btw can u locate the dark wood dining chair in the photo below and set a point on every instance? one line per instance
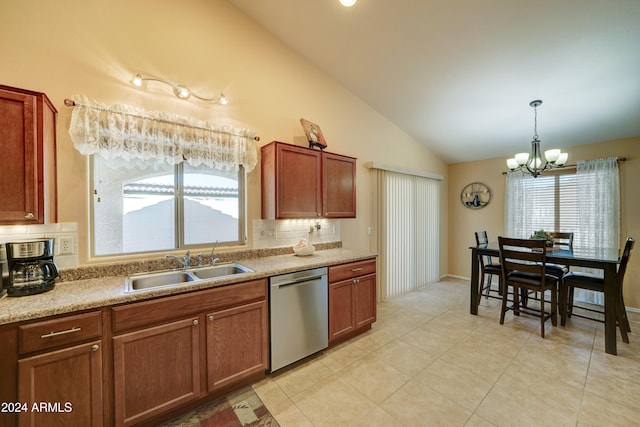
(590, 282)
(488, 269)
(561, 240)
(524, 263)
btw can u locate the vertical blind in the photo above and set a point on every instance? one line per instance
(407, 226)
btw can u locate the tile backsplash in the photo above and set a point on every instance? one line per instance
(64, 255)
(287, 232)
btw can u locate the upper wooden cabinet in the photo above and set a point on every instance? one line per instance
(28, 161)
(299, 182)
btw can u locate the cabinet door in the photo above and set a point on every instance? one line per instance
(298, 182)
(341, 320)
(236, 344)
(19, 160)
(364, 290)
(156, 369)
(338, 186)
(65, 386)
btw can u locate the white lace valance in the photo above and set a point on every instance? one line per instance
(126, 134)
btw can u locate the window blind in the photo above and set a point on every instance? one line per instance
(551, 203)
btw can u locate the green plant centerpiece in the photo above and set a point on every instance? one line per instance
(542, 235)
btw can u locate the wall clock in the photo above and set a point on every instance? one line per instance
(475, 195)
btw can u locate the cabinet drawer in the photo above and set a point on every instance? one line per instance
(152, 312)
(341, 272)
(57, 332)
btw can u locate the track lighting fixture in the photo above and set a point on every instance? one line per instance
(179, 90)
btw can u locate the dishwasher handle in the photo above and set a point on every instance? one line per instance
(296, 281)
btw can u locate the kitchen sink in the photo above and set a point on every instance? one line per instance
(211, 272)
(138, 282)
(142, 281)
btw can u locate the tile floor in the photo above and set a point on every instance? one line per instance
(428, 362)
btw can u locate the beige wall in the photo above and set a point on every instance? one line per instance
(67, 47)
(491, 218)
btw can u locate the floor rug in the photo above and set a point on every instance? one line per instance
(240, 409)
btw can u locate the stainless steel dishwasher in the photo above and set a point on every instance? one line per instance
(299, 314)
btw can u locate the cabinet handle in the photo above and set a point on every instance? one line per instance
(55, 334)
(195, 322)
(211, 317)
(356, 269)
(29, 215)
(95, 347)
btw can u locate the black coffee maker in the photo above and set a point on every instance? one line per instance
(31, 267)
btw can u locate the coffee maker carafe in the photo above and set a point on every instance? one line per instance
(31, 267)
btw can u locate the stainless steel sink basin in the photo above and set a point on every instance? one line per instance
(138, 282)
(220, 270)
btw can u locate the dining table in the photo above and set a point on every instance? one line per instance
(605, 259)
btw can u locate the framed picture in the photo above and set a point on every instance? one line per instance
(314, 134)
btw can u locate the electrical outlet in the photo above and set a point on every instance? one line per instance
(66, 246)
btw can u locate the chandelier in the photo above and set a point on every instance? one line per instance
(532, 163)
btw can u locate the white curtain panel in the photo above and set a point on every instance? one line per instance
(127, 135)
(598, 186)
(519, 222)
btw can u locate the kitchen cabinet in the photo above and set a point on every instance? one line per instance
(237, 344)
(172, 351)
(298, 182)
(352, 299)
(156, 369)
(60, 376)
(28, 162)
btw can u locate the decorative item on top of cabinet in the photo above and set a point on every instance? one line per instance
(28, 162)
(475, 195)
(314, 134)
(298, 182)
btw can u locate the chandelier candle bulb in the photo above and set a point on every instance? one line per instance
(552, 155)
(522, 158)
(562, 159)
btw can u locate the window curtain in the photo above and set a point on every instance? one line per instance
(129, 136)
(598, 186)
(519, 222)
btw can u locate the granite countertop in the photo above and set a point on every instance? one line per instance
(76, 295)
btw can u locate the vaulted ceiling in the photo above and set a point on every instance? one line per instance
(458, 75)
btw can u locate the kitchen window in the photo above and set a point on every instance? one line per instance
(147, 207)
(161, 181)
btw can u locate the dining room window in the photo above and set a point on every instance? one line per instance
(549, 202)
(585, 201)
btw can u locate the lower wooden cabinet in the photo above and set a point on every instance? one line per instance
(172, 351)
(62, 387)
(352, 299)
(237, 344)
(156, 369)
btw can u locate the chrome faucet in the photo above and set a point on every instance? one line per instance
(185, 260)
(214, 260)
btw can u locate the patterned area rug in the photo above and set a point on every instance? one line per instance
(240, 409)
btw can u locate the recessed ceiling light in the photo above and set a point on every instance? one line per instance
(348, 3)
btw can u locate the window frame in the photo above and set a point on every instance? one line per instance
(178, 173)
(556, 196)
